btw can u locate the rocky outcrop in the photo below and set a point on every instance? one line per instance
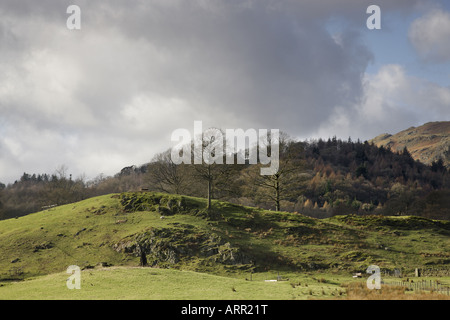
(170, 246)
(164, 204)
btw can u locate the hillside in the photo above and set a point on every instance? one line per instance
(318, 178)
(427, 143)
(178, 232)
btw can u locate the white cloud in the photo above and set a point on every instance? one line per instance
(430, 36)
(392, 101)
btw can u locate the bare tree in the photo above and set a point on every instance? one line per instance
(279, 185)
(167, 176)
(209, 164)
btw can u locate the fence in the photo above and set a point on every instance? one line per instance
(422, 285)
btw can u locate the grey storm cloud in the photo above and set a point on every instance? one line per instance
(110, 94)
(258, 61)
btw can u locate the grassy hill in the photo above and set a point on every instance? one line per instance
(427, 143)
(177, 232)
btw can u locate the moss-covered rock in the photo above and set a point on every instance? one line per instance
(164, 204)
(171, 246)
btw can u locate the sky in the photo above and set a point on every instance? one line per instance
(109, 94)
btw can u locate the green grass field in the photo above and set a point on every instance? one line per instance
(198, 254)
(150, 283)
(142, 283)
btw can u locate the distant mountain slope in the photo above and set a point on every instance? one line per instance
(427, 143)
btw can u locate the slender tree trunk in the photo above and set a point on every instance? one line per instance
(277, 195)
(209, 193)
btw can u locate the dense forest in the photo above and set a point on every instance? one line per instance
(319, 178)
